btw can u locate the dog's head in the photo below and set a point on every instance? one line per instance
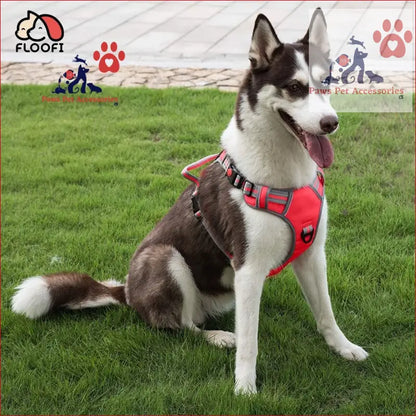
(281, 79)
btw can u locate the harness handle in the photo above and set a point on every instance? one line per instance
(186, 170)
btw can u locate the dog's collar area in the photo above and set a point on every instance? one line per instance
(248, 188)
(239, 181)
(233, 175)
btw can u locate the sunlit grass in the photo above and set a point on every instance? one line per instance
(82, 184)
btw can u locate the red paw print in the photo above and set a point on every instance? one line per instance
(392, 44)
(109, 62)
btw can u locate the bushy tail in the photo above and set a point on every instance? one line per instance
(38, 295)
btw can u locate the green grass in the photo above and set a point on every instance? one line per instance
(82, 184)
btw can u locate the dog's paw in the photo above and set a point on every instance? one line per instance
(222, 339)
(245, 387)
(352, 352)
(341, 345)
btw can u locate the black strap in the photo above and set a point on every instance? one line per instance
(195, 204)
(234, 176)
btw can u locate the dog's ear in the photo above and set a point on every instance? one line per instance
(263, 43)
(317, 33)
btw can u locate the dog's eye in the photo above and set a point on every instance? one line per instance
(293, 87)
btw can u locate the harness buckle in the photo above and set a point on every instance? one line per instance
(248, 188)
(235, 178)
(195, 205)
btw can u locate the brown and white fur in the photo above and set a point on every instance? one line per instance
(178, 276)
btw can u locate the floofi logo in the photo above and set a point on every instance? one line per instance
(44, 30)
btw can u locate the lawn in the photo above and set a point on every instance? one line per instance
(82, 184)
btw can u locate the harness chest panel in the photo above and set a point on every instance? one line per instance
(300, 208)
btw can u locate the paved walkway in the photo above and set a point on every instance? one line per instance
(209, 34)
(156, 77)
(189, 43)
(128, 76)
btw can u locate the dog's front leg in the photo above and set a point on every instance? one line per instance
(248, 287)
(310, 269)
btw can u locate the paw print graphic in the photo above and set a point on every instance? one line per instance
(393, 44)
(109, 62)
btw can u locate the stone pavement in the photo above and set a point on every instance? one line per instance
(174, 43)
(128, 76)
(155, 77)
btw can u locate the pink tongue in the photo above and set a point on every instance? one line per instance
(320, 149)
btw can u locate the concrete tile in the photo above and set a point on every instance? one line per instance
(188, 49)
(171, 33)
(226, 19)
(235, 42)
(277, 12)
(162, 12)
(374, 4)
(58, 8)
(154, 17)
(287, 35)
(124, 34)
(125, 13)
(328, 7)
(92, 10)
(16, 10)
(286, 6)
(180, 25)
(95, 28)
(295, 21)
(207, 33)
(202, 10)
(174, 6)
(214, 3)
(154, 41)
(244, 7)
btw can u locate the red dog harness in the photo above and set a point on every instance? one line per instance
(300, 208)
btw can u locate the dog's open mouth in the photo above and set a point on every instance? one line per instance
(318, 147)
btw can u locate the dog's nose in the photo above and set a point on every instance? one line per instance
(329, 123)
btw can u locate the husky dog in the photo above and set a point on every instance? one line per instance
(188, 269)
